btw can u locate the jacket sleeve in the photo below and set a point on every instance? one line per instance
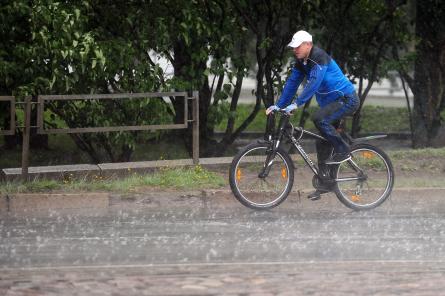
(290, 88)
(313, 83)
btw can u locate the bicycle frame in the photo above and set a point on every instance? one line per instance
(262, 174)
(283, 132)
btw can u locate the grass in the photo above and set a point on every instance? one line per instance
(430, 160)
(418, 153)
(190, 178)
(193, 178)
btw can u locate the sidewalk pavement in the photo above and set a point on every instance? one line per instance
(411, 199)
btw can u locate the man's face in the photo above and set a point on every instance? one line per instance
(303, 50)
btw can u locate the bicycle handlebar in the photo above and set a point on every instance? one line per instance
(281, 111)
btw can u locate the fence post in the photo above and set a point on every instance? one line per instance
(195, 131)
(26, 136)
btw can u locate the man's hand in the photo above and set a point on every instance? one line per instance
(289, 109)
(271, 109)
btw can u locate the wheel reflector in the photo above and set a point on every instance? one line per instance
(283, 173)
(355, 197)
(238, 174)
(368, 155)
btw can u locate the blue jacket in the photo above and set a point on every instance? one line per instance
(324, 79)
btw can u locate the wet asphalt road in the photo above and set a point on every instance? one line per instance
(204, 243)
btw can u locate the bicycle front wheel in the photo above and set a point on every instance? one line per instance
(365, 181)
(258, 191)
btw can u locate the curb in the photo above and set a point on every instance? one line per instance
(108, 169)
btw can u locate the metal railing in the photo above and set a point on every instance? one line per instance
(188, 96)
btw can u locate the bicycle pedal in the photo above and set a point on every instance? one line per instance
(314, 197)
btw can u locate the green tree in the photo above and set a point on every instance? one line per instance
(83, 47)
(360, 40)
(270, 25)
(425, 72)
(15, 64)
(188, 34)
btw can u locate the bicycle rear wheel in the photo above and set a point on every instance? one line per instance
(261, 192)
(365, 181)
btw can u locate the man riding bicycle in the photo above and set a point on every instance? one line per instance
(335, 95)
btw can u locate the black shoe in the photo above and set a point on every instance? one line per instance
(338, 158)
(316, 195)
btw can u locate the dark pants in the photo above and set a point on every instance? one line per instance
(327, 119)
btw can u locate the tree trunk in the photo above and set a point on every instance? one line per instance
(356, 118)
(408, 105)
(228, 138)
(206, 141)
(181, 59)
(429, 74)
(304, 114)
(181, 63)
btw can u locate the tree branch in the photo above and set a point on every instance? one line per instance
(246, 17)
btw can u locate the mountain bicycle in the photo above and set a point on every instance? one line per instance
(262, 173)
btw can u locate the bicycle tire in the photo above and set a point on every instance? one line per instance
(376, 162)
(235, 172)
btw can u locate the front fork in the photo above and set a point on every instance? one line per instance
(271, 153)
(274, 144)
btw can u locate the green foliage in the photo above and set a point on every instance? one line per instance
(217, 114)
(76, 48)
(360, 40)
(193, 31)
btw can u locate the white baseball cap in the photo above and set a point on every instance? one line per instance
(300, 37)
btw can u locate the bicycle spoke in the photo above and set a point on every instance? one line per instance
(354, 166)
(366, 180)
(261, 189)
